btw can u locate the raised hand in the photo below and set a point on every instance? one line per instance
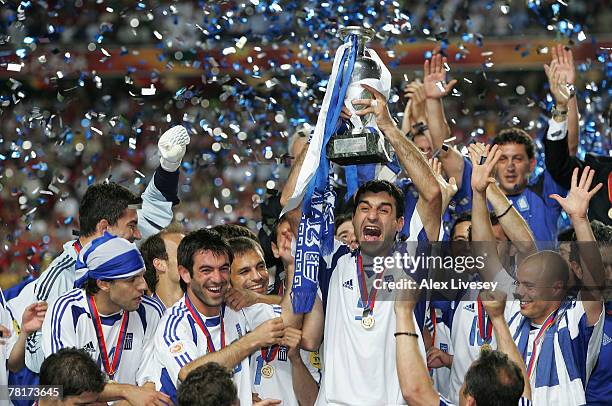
(563, 60)
(483, 165)
(377, 106)
(560, 88)
(448, 188)
(434, 78)
(576, 204)
(33, 317)
(415, 91)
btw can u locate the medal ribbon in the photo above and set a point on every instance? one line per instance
(269, 353)
(368, 301)
(547, 324)
(110, 369)
(77, 247)
(485, 327)
(198, 319)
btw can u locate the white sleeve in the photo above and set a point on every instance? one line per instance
(556, 131)
(6, 319)
(260, 313)
(174, 347)
(149, 370)
(58, 328)
(156, 212)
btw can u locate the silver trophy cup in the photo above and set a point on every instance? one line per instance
(359, 145)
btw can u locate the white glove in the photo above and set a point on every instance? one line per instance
(172, 147)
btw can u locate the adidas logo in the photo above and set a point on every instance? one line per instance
(89, 347)
(606, 340)
(348, 284)
(469, 307)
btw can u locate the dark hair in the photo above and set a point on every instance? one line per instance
(152, 248)
(207, 385)
(516, 136)
(341, 219)
(601, 231)
(240, 245)
(228, 231)
(201, 240)
(467, 216)
(91, 287)
(103, 201)
(379, 186)
(74, 371)
(494, 380)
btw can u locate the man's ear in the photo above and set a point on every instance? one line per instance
(184, 274)
(104, 285)
(400, 224)
(532, 165)
(160, 265)
(102, 226)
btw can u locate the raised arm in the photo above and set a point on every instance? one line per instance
(563, 62)
(482, 230)
(505, 343)
(434, 80)
(304, 385)
(411, 159)
(576, 205)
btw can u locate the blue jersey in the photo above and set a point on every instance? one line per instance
(599, 387)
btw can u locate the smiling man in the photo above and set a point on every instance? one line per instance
(277, 372)
(200, 328)
(108, 316)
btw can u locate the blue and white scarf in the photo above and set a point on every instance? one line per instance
(106, 258)
(314, 189)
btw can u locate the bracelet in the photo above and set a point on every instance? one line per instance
(505, 212)
(406, 333)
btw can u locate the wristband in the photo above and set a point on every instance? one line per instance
(505, 212)
(406, 333)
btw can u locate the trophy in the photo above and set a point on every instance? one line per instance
(362, 143)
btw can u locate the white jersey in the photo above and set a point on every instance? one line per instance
(179, 340)
(441, 340)
(60, 276)
(69, 323)
(5, 350)
(280, 384)
(358, 365)
(565, 356)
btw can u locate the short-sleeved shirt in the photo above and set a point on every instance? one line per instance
(179, 340)
(69, 323)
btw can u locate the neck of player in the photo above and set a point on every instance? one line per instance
(203, 308)
(168, 292)
(104, 304)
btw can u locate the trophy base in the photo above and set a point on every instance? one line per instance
(357, 149)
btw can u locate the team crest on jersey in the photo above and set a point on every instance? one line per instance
(522, 203)
(388, 278)
(282, 353)
(129, 338)
(444, 347)
(177, 348)
(315, 360)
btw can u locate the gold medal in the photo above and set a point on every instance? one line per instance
(267, 371)
(486, 347)
(610, 213)
(367, 322)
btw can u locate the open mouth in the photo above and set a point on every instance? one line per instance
(214, 290)
(371, 233)
(525, 303)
